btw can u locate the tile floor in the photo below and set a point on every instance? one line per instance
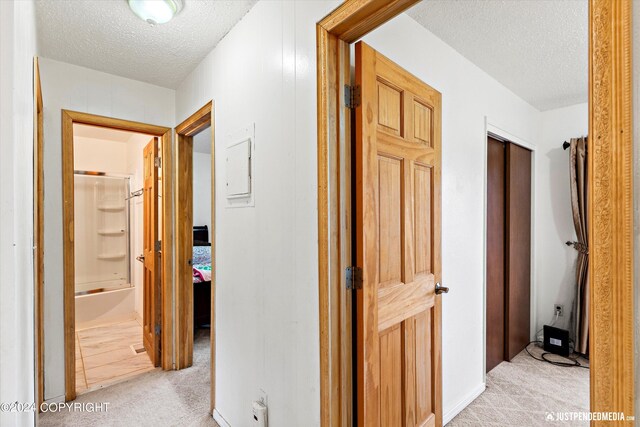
(104, 355)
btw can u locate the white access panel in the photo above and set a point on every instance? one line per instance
(239, 169)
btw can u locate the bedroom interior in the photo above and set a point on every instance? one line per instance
(202, 266)
(520, 128)
(281, 261)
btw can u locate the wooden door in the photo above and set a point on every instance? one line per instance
(508, 251)
(151, 277)
(398, 171)
(518, 249)
(495, 253)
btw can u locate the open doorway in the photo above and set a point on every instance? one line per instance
(202, 238)
(114, 313)
(116, 218)
(469, 100)
(195, 243)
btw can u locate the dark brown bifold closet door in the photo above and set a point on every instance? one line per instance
(508, 250)
(518, 249)
(495, 252)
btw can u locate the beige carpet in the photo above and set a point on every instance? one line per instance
(524, 391)
(157, 398)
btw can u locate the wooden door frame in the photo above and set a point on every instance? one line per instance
(610, 201)
(38, 231)
(494, 131)
(164, 133)
(185, 131)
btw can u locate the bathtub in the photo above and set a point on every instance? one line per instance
(105, 307)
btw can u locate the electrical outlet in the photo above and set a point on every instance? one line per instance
(558, 309)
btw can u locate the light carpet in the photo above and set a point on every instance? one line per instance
(157, 398)
(525, 392)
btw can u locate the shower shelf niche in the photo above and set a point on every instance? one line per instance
(111, 208)
(112, 256)
(102, 252)
(114, 232)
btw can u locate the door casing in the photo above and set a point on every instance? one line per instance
(164, 133)
(610, 230)
(185, 131)
(38, 231)
(493, 131)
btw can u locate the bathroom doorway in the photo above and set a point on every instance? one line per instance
(115, 226)
(114, 240)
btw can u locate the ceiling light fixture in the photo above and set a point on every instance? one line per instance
(156, 11)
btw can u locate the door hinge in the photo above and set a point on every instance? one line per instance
(351, 96)
(158, 246)
(157, 329)
(354, 278)
(157, 162)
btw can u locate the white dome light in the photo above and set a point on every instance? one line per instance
(155, 11)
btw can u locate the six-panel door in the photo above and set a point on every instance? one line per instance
(398, 245)
(151, 278)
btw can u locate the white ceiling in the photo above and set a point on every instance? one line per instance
(105, 35)
(536, 48)
(97, 132)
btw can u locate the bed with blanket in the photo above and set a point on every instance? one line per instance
(201, 263)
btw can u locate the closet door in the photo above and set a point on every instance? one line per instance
(495, 252)
(518, 248)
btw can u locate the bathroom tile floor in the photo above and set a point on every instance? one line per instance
(104, 355)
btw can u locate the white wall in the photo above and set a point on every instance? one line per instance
(468, 96)
(202, 190)
(100, 155)
(264, 72)
(257, 75)
(17, 48)
(555, 262)
(66, 86)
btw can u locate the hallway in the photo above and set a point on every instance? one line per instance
(161, 398)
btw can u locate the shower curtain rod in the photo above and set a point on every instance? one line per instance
(135, 194)
(96, 173)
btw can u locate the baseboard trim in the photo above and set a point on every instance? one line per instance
(56, 399)
(219, 419)
(463, 403)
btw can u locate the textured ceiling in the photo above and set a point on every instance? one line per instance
(536, 48)
(105, 35)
